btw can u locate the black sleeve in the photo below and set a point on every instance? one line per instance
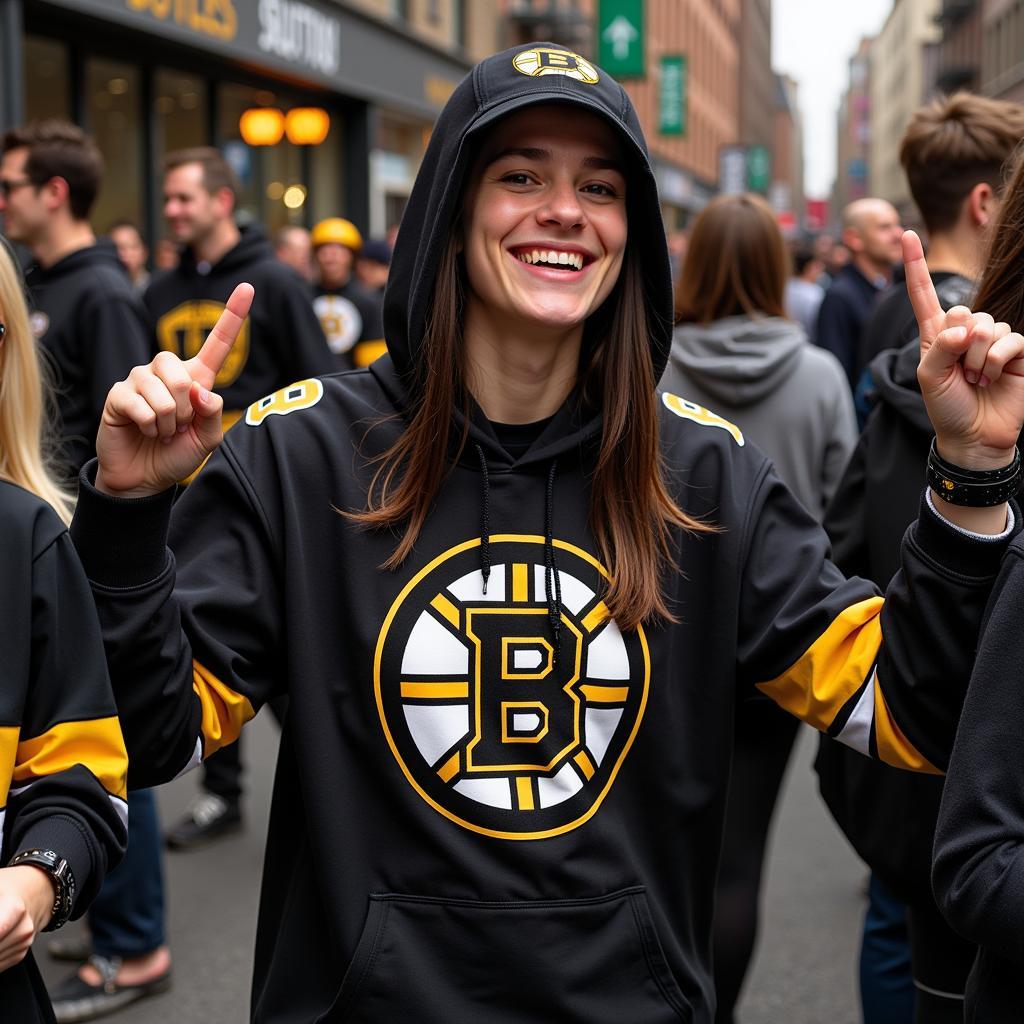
(813, 641)
(978, 872)
(68, 789)
(303, 347)
(844, 519)
(193, 653)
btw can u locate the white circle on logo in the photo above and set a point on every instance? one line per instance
(545, 61)
(501, 724)
(39, 324)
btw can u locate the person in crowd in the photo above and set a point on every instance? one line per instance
(512, 592)
(677, 245)
(980, 831)
(63, 763)
(954, 153)
(132, 252)
(349, 314)
(734, 351)
(293, 248)
(871, 232)
(803, 292)
(281, 343)
(165, 255)
(373, 266)
(84, 312)
(93, 327)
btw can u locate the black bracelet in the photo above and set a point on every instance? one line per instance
(973, 488)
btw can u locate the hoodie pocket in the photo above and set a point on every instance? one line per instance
(435, 961)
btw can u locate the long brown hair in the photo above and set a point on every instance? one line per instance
(1001, 289)
(632, 514)
(736, 262)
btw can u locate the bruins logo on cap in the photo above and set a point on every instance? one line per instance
(543, 61)
(489, 726)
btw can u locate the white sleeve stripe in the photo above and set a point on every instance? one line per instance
(986, 538)
(857, 731)
(121, 806)
(195, 760)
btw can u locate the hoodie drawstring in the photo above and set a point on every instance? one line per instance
(550, 568)
(485, 521)
(552, 580)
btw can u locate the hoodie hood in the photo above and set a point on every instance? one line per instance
(252, 246)
(101, 253)
(739, 359)
(894, 374)
(520, 77)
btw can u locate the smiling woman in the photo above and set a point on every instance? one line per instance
(513, 660)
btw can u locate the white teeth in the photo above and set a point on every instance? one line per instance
(551, 257)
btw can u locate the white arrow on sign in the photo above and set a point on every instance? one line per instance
(620, 33)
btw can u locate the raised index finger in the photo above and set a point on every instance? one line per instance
(210, 358)
(930, 315)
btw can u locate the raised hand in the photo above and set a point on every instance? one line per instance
(971, 373)
(26, 901)
(160, 424)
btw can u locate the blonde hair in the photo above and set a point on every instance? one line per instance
(24, 406)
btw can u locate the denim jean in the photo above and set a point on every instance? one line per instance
(127, 917)
(886, 979)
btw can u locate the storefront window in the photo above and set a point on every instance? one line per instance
(179, 105)
(114, 119)
(273, 190)
(47, 92)
(326, 186)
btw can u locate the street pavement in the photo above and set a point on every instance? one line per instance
(804, 973)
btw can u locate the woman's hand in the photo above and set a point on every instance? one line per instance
(971, 373)
(26, 903)
(160, 424)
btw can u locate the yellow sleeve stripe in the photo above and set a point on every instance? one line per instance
(366, 352)
(96, 744)
(224, 710)
(893, 747)
(8, 754)
(833, 668)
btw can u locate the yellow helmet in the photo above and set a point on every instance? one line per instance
(339, 230)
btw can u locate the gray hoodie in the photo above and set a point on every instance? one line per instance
(788, 397)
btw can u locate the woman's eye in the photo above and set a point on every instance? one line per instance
(517, 178)
(599, 188)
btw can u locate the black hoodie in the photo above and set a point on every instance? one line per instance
(491, 804)
(282, 341)
(62, 757)
(91, 323)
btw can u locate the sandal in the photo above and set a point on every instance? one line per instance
(76, 1000)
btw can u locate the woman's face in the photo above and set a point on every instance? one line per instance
(545, 218)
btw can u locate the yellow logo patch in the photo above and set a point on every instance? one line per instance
(691, 411)
(302, 395)
(544, 61)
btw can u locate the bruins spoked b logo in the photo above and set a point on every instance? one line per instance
(490, 727)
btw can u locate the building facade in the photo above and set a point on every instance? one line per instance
(853, 134)
(1002, 61)
(901, 80)
(787, 189)
(757, 86)
(146, 77)
(959, 54)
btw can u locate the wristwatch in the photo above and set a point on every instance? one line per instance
(63, 879)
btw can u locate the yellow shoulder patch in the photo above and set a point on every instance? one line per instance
(691, 411)
(303, 394)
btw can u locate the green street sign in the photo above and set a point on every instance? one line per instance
(759, 169)
(620, 37)
(672, 95)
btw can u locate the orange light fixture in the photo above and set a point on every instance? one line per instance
(307, 126)
(261, 126)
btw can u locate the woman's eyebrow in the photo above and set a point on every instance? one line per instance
(599, 163)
